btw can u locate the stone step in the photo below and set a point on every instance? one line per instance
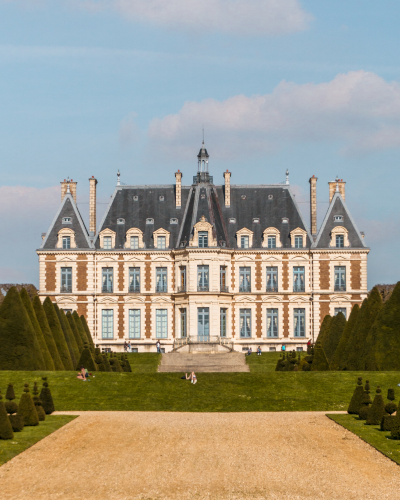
(201, 362)
(203, 369)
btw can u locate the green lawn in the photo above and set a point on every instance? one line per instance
(264, 363)
(31, 435)
(144, 362)
(371, 434)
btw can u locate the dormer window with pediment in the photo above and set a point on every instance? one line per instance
(107, 239)
(203, 234)
(339, 237)
(298, 238)
(161, 239)
(271, 238)
(244, 238)
(134, 239)
(66, 239)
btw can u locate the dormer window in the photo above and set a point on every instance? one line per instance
(120, 221)
(256, 220)
(161, 242)
(66, 242)
(203, 239)
(161, 198)
(67, 220)
(339, 237)
(244, 242)
(340, 241)
(232, 220)
(107, 242)
(298, 242)
(338, 218)
(149, 221)
(222, 243)
(136, 198)
(271, 238)
(271, 241)
(270, 197)
(285, 220)
(243, 196)
(298, 238)
(173, 221)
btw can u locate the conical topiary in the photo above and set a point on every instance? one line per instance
(6, 431)
(10, 404)
(376, 410)
(115, 366)
(78, 338)
(86, 360)
(337, 362)
(46, 398)
(127, 367)
(47, 334)
(26, 408)
(395, 430)
(356, 400)
(326, 322)
(86, 328)
(68, 335)
(390, 407)
(366, 401)
(333, 335)
(106, 363)
(98, 359)
(320, 363)
(38, 403)
(20, 348)
(58, 335)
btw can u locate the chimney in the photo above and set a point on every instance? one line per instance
(227, 177)
(178, 193)
(332, 188)
(313, 204)
(92, 205)
(64, 188)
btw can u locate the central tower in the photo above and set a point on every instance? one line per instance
(202, 167)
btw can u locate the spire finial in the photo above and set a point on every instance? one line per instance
(118, 178)
(68, 190)
(337, 184)
(203, 135)
(287, 176)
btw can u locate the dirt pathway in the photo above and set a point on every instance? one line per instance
(235, 456)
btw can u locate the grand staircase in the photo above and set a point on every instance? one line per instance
(203, 362)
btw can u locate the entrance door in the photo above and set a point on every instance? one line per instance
(203, 320)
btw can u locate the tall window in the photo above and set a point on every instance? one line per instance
(222, 279)
(339, 241)
(134, 242)
(244, 242)
(107, 241)
(298, 279)
(342, 310)
(271, 241)
(245, 323)
(134, 279)
(134, 323)
(183, 323)
(272, 323)
(107, 280)
(107, 324)
(222, 324)
(66, 242)
(182, 286)
(272, 279)
(202, 278)
(161, 324)
(66, 279)
(161, 279)
(340, 279)
(203, 239)
(244, 279)
(299, 322)
(161, 242)
(298, 242)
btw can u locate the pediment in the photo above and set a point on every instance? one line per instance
(162, 299)
(299, 298)
(135, 259)
(162, 258)
(67, 259)
(66, 300)
(271, 258)
(340, 298)
(299, 258)
(245, 298)
(272, 298)
(134, 298)
(107, 258)
(104, 300)
(339, 257)
(247, 258)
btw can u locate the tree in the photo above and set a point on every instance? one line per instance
(48, 360)
(46, 397)
(47, 334)
(377, 409)
(332, 336)
(26, 408)
(78, 337)
(85, 326)
(6, 431)
(58, 335)
(20, 348)
(320, 362)
(325, 325)
(356, 400)
(106, 363)
(86, 360)
(68, 335)
(338, 357)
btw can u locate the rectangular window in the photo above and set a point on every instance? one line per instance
(161, 242)
(272, 279)
(245, 323)
(182, 286)
(134, 242)
(244, 279)
(339, 241)
(107, 280)
(183, 323)
(271, 241)
(222, 325)
(107, 324)
(298, 279)
(161, 324)
(298, 242)
(272, 323)
(340, 279)
(134, 279)
(202, 278)
(66, 242)
(223, 279)
(342, 310)
(161, 279)
(203, 239)
(134, 323)
(66, 280)
(299, 322)
(244, 242)
(107, 241)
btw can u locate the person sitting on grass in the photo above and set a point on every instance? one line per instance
(249, 351)
(259, 351)
(83, 374)
(192, 377)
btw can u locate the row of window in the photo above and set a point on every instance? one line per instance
(203, 279)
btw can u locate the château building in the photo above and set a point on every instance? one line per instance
(235, 264)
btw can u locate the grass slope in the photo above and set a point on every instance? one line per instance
(31, 435)
(371, 434)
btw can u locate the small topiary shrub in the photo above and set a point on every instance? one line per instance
(11, 406)
(17, 422)
(390, 395)
(6, 431)
(26, 408)
(387, 422)
(106, 363)
(366, 401)
(38, 404)
(127, 366)
(377, 409)
(356, 400)
(306, 367)
(115, 366)
(86, 360)
(320, 362)
(46, 398)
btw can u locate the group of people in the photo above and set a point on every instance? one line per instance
(250, 351)
(127, 346)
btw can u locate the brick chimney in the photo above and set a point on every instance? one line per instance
(313, 204)
(332, 188)
(227, 177)
(64, 188)
(92, 205)
(178, 194)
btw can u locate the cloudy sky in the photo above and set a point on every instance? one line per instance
(88, 87)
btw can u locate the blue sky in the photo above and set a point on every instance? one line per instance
(89, 87)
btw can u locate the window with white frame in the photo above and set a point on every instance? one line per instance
(339, 241)
(222, 319)
(203, 239)
(340, 278)
(107, 324)
(245, 323)
(223, 279)
(161, 279)
(342, 310)
(134, 242)
(299, 322)
(107, 242)
(161, 324)
(272, 323)
(244, 242)
(182, 273)
(272, 279)
(298, 242)
(107, 279)
(183, 323)
(244, 279)
(271, 241)
(66, 280)
(66, 242)
(134, 323)
(202, 278)
(134, 280)
(298, 279)
(161, 242)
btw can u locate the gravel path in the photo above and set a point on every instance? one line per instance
(183, 456)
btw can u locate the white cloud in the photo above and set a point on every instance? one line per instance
(359, 111)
